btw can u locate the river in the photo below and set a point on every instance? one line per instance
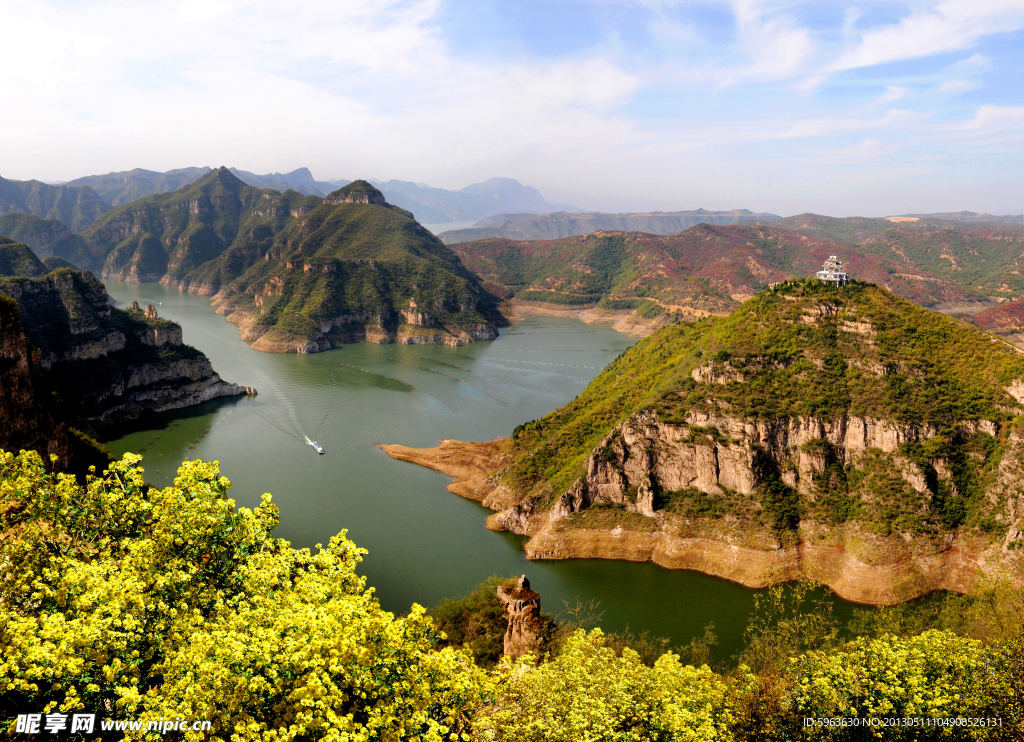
(424, 543)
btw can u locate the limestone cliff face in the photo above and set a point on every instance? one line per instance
(27, 424)
(646, 465)
(739, 455)
(108, 365)
(837, 433)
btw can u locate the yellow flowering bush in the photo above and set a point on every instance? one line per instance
(135, 602)
(588, 694)
(936, 674)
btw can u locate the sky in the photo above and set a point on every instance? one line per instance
(861, 108)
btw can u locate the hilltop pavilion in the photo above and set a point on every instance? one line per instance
(833, 272)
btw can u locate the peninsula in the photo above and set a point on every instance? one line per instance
(835, 432)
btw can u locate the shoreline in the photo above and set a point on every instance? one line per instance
(909, 573)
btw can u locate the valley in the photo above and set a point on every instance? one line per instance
(762, 461)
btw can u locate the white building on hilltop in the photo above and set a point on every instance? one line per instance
(833, 272)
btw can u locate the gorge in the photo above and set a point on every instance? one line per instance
(297, 273)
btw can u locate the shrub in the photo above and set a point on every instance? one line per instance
(588, 693)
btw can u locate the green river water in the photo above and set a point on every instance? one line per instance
(424, 543)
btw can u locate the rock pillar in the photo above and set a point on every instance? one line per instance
(524, 625)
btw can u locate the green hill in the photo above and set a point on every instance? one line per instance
(76, 206)
(53, 263)
(296, 271)
(46, 237)
(352, 268)
(19, 260)
(812, 418)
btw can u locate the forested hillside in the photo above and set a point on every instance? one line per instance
(75, 206)
(706, 269)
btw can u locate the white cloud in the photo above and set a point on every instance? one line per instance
(950, 25)
(373, 88)
(201, 10)
(892, 92)
(775, 44)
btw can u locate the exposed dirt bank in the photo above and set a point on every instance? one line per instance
(857, 566)
(624, 321)
(471, 465)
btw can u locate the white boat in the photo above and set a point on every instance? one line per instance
(316, 447)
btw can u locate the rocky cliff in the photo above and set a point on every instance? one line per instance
(524, 634)
(48, 238)
(298, 273)
(836, 433)
(107, 365)
(27, 424)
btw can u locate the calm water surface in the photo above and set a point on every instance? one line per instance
(424, 542)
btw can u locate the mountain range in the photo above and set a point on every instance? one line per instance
(494, 196)
(710, 269)
(124, 187)
(430, 205)
(553, 226)
(76, 206)
(296, 272)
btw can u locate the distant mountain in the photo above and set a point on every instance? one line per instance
(124, 187)
(430, 205)
(708, 269)
(986, 258)
(296, 271)
(164, 236)
(494, 196)
(968, 216)
(47, 237)
(555, 226)
(129, 185)
(76, 206)
(300, 180)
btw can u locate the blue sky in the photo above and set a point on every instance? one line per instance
(870, 108)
